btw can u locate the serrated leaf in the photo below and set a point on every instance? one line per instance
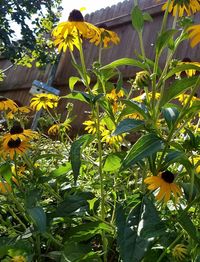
(129, 125)
(38, 217)
(146, 146)
(75, 153)
(170, 114)
(137, 19)
(72, 81)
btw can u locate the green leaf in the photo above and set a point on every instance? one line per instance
(75, 153)
(164, 40)
(113, 162)
(74, 252)
(146, 146)
(86, 231)
(72, 81)
(137, 230)
(74, 205)
(188, 225)
(175, 156)
(147, 17)
(177, 87)
(38, 217)
(133, 106)
(5, 172)
(137, 19)
(61, 170)
(125, 61)
(129, 125)
(81, 96)
(181, 68)
(170, 114)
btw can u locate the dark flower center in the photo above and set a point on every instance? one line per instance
(168, 176)
(75, 15)
(16, 129)
(14, 143)
(2, 99)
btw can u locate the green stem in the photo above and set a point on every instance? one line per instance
(168, 248)
(164, 21)
(104, 240)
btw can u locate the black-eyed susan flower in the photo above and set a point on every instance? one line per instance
(142, 79)
(111, 139)
(60, 127)
(14, 147)
(7, 104)
(188, 72)
(113, 98)
(66, 40)
(165, 183)
(106, 37)
(183, 7)
(18, 132)
(194, 34)
(18, 110)
(44, 101)
(75, 25)
(179, 252)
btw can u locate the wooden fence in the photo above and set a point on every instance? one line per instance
(117, 18)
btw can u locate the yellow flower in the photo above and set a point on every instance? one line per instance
(179, 252)
(18, 110)
(194, 34)
(14, 147)
(18, 259)
(183, 98)
(142, 79)
(63, 127)
(44, 101)
(113, 96)
(183, 7)
(6, 104)
(164, 181)
(105, 36)
(90, 126)
(109, 138)
(5, 188)
(189, 72)
(66, 40)
(18, 132)
(73, 27)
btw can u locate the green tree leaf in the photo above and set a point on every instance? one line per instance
(146, 146)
